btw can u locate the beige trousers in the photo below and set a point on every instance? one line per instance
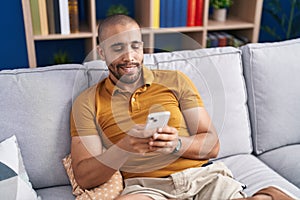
(214, 181)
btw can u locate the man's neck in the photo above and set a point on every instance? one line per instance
(130, 87)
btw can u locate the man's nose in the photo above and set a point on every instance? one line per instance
(129, 54)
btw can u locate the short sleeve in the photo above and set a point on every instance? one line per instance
(188, 95)
(82, 119)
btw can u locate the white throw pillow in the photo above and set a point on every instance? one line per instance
(14, 181)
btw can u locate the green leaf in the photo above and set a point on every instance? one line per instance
(271, 32)
(295, 30)
(217, 4)
(117, 9)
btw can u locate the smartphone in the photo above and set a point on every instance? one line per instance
(157, 120)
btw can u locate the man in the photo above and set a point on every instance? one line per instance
(170, 164)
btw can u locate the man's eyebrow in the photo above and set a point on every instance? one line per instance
(121, 43)
(135, 41)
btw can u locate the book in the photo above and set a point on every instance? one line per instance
(56, 16)
(170, 13)
(229, 38)
(35, 17)
(163, 13)
(213, 40)
(222, 40)
(50, 16)
(73, 15)
(43, 17)
(155, 14)
(176, 13)
(64, 17)
(183, 12)
(191, 13)
(208, 42)
(199, 13)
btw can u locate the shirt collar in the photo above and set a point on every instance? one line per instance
(147, 76)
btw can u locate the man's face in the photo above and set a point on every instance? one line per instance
(122, 49)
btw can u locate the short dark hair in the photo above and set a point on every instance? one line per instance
(114, 20)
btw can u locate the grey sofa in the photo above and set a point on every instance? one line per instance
(251, 93)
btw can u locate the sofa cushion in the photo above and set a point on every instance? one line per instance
(96, 70)
(217, 73)
(56, 193)
(272, 77)
(35, 106)
(14, 181)
(256, 175)
(285, 161)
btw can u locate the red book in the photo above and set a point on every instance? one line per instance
(199, 13)
(191, 13)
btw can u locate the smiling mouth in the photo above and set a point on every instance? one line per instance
(128, 67)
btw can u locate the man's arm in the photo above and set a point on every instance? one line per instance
(88, 161)
(92, 167)
(87, 154)
(203, 142)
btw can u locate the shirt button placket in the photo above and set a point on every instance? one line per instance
(134, 103)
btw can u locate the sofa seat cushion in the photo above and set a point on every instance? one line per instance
(35, 106)
(285, 161)
(251, 171)
(56, 193)
(217, 74)
(273, 85)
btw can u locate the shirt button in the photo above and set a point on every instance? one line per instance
(133, 99)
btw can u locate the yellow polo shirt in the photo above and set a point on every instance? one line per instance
(109, 111)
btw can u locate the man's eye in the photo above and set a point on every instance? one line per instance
(117, 48)
(136, 45)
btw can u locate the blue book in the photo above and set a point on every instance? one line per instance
(169, 11)
(213, 40)
(183, 12)
(177, 13)
(163, 13)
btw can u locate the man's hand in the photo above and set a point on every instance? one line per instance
(134, 141)
(164, 140)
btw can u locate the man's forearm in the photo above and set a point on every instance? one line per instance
(97, 170)
(200, 146)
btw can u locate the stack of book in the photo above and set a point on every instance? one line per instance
(177, 13)
(221, 39)
(54, 16)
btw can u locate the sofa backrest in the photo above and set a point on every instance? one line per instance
(35, 106)
(273, 84)
(217, 73)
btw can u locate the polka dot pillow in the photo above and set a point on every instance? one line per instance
(107, 191)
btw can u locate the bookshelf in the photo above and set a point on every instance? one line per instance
(243, 19)
(87, 31)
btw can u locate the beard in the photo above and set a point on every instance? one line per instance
(122, 72)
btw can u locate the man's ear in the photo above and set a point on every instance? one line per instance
(101, 53)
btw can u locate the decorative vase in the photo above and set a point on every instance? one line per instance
(220, 14)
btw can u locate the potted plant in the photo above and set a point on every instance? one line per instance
(61, 58)
(117, 9)
(220, 9)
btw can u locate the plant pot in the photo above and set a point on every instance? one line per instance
(220, 14)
